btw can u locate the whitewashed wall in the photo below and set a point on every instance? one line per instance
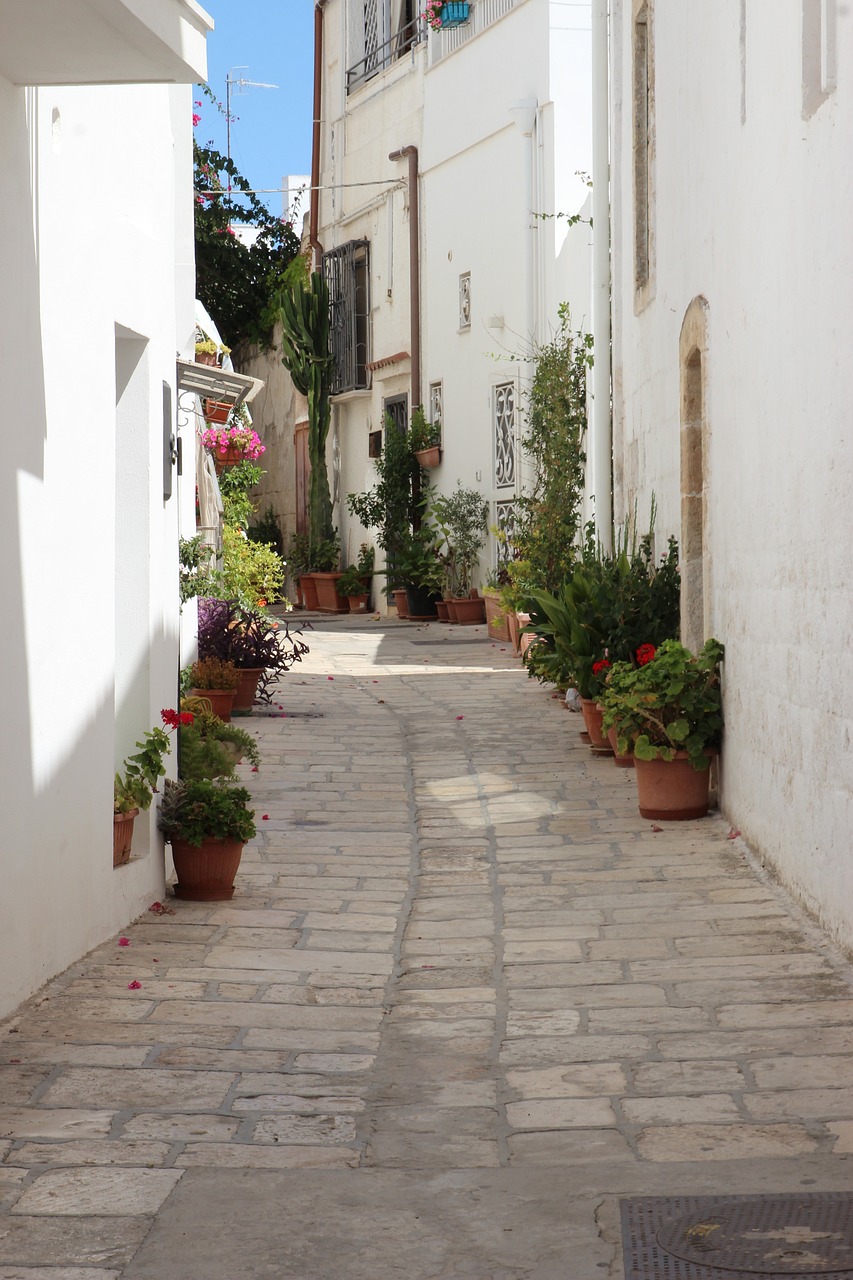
(751, 212)
(96, 272)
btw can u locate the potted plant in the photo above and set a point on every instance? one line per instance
(206, 352)
(355, 582)
(420, 565)
(394, 506)
(210, 748)
(461, 518)
(207, 821)
(425, 438)
(299, 563)
(230, 445)
(261, 648)
(134, 786)
(216, 680)
(326, 572)
(447, 13)
(668, 711)
(497, 619)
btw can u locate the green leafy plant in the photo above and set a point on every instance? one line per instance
(206, 808)
(234, 485)
(356, 577)
(462, 520)
(394, 506)
(423, 434)
(207, 347)
(238, 283)
(209, 747)
(670, 702)
(252, 573)
(267, 531)
(547, 520)
(213, 673)
(135, 784)
(304, 314)
(196, 574)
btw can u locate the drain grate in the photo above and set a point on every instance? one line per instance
(272, 713)
(452, 640)
(721, 1237)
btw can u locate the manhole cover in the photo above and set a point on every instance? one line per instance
(720, 1237)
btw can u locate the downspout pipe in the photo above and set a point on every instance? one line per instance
(314, 215)
(411, 154)
(601, 421)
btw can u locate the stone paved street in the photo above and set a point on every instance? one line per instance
(464, 999)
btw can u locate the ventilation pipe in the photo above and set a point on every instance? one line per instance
(314, 215)
(523, 113)
(601, 423)
(411, 154)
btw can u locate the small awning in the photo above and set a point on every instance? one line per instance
(213, 383)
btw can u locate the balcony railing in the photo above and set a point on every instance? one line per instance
(380, 56)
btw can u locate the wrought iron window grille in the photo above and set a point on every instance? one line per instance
(379, 56)
(347, 273)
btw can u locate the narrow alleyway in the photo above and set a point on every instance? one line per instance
(464, 1000)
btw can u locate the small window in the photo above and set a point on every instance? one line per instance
(397, 409)
(503, 422)
(465, 301)
(436, 405)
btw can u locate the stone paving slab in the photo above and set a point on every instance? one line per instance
(463, 999)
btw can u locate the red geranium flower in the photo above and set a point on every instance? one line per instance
(645, 653)
(598, 667)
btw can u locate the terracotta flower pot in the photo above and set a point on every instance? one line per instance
(496, 618)
(441, 610)
(206, 873)
(470, 612)
(229, 457)
(672, 789)
(429, 457)
(309, 591)
(221, 701)
(328, 600)
(625, 761)
(401, 602)
(123, 836)
(244, 696)
(216, 411)
(514, 631)
(206, 357)
(451, 610)
(358, 604)
(592, 715)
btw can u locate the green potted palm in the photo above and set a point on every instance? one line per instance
(668, 711)
(207, 821)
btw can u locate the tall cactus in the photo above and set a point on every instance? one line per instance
(306, 354)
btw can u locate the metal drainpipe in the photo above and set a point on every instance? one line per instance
(411, 154)
(314, 215)
(601, 423)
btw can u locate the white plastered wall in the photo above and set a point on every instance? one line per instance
(91, 323)
(750, 210)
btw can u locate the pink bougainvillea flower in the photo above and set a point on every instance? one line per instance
(655, 827)
(134, 986)
(330, 677)
(160, 909)
(265, 817)
(376, 682)
(460, 717)
(733, 834)
(124, 942)
(254, 768)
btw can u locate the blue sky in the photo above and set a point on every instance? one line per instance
(274, 39)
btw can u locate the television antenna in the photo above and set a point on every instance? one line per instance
(239, 85)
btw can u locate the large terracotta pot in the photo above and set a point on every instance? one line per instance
(246, 690)
(358, 604)
(470, 612)
(308, 588)
(592, 715)
(496, 618)
(623, 762)
(421, 603)
(221, 701)
(451, 610)
(328, 600)
(401, 602)
(122, 836)
(206, 873)
(672, 789)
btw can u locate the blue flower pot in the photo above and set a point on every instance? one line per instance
(455, 13)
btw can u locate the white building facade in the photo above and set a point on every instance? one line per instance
(97, 272)
(478, 132)
(732, 287)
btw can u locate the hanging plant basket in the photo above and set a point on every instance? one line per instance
(429, 458)
(455, 13)
(229, 457)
